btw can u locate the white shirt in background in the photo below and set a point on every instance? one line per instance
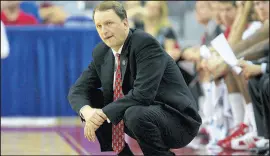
(4, 42)
(253, 27)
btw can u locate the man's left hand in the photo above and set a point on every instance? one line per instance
(93, 124)
(249, 70)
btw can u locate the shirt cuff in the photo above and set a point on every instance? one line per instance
(263, 67)
(81, 112)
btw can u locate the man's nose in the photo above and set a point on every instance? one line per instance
(104, 31)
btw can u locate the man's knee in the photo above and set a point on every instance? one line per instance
(132, 117)
(136, 119)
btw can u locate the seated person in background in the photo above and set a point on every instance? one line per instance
(156, 22)
(153, 19)
(133, 7)
(31, 8)
(69, 7)
(13, 15)
(52, 14)
(257, 74)
(236, 141)
(212, 102)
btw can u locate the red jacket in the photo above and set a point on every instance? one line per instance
(23, 19)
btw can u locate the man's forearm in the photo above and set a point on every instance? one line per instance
(257, 51)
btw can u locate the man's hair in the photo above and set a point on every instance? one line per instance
(233, 3)
(117, 7)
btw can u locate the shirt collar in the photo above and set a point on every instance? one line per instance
(118, 52)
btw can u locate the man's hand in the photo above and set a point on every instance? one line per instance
(203, 65)
(98, 118)
(214, 62)
(249, 70)
(220, 71)
(89, 131)
(191, 54)
(94, 119)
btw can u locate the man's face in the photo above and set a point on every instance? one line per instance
(215, 9)
(227, 14)
(203, 12)
(111, 29)
(262, 9)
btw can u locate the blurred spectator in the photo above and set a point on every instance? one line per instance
(32, 8)
(135, 18)
(69, 7)
(262, 10)
(156, 22)
(4, 42)
(52, 14)
(215, 9)
(13, 15)
(207, 15)
(204, 16)
(260, 13)
(228, 12)
(153, 18)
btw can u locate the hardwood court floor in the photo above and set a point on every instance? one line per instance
(67, 138)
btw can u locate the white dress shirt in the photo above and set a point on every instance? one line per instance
(115, 66)
(4, 42)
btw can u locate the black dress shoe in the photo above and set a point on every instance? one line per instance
(126, 151)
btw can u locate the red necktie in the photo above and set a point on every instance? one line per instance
(118, 135)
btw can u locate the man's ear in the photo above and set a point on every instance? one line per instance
(126, 22)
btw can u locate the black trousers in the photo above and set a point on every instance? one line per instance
(156, 130)
(259, 93)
